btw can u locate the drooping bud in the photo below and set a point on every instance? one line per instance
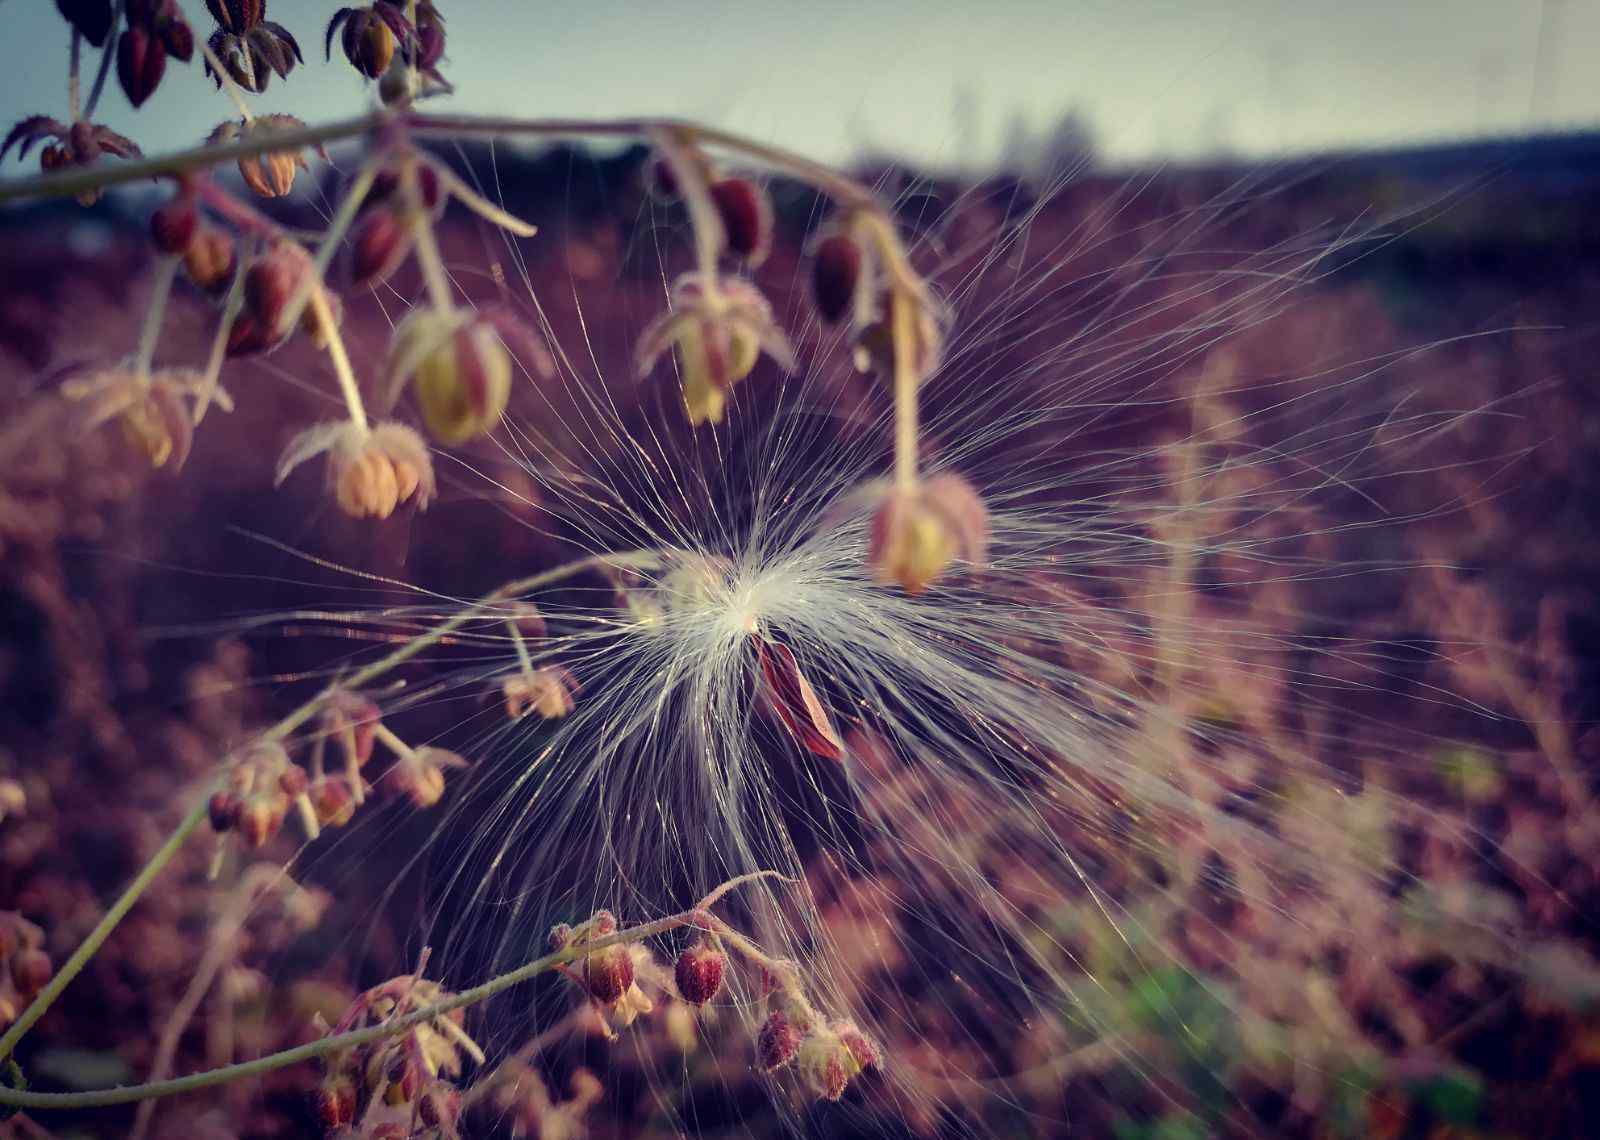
(333, 801)
(379, 243)
(237, 15)
(334, 1102)
(259, 821)
(836, 276)
(141, 62)
(31, 970)
(208, 258)
(746, 217)
(430, 37)
(827, 1064)
(547, 690)
(777, 1042)
(916, 534)
(371, 472)
(92, 18)
(174, 223)
(177, 36)
(269, 284)
(607, 973)
(371, 35)
(223, 809)
(698, 972)
(461, 368)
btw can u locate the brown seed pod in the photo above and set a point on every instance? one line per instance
(746, 217)
(835, 276)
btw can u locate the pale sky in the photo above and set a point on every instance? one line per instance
(1158, 78)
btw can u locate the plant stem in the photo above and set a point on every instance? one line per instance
(358, 1037)
(105, 60)
(902, 315)
(429, 259)
(225, 78)
(337, 227)
(74, 87)
(219, 342)
(166, 272)
(80, 957)
(341, 359)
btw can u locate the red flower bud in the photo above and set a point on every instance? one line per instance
(237, 15)
(174, 224)
(334, 1102)
(746, 217)
(178, 38)
(269, 284)
(608, 973)
(379, 242)
(835, 276)
(778, 1041)
(223, 810)
(31, 970)
(698, 972)
(294, 781)
(141, 61)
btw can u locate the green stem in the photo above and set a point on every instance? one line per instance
(340, 223)
(80, 957)
(150, 333)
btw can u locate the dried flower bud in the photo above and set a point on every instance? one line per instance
(174, 223)
(31, 970)
(237, 15)
(916, 534)
(92, 18)
(371, 35)
(698, 972)
(208, 258)
(223, 808)
(547, 690)
(430, 37)
(746, 217)
(607, 973)
(836, 276)
(777, 1042)
(141, 62)
(371, 471)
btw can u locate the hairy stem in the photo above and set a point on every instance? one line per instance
(150, 333)
(74, 85)
(231, 307)
(229, 85)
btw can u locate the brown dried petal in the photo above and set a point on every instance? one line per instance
(794, 701)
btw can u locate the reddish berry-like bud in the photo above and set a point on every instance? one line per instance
(863, 1049)
(334, 1102)
(178, 38)
(560, 936)
(269, 284)
(174, 223)
(778, 1041)
(835, 276)
(608, 973)
(31, 970)
(208, 258)
(223, 809)
(746, 217)
(827, 1065)
(698, 972)
(141, 61)
(92, 18)
(379, 242)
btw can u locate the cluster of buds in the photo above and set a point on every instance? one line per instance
(348, 721)
(270, 174)
(918, 532)
(261, 785)
(371, 471)
(250, 47)
(78, 144)
(828, 1054)
(156, 29)
(383, 44)
(25, 968)
(394, 1084)
(523, 1102)
(609, 975)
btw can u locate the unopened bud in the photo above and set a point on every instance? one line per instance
(827, 1064)
(293, 780)
(462, 373)
(746, 217)
(31, 970)
(208, 258)
(334, 1102)
(269, 284)
(698, 972)
(777, 1042)
(333, 801)
(608, 973)
(174, 223)
(223, 810)
(836, 276)
(92, 18)
(258, 822)
(141, 62)
(379, 243)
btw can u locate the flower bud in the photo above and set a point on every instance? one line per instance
(141, 61)
(223, 808)
(208, 258)
(92, 18)
(746, 217)
(608, 973)
(269, 284)
(836, 276)
(294, 781)
(916, 534)
(333, 801)
(827, 1064)
(863, 1050)
(177, 37)
(777, 1042)
(174, 223)
(31, 970)
(259, 821)
(698, 972)
(546, 690)
(462, 372)
(379, 243)
(237, 15)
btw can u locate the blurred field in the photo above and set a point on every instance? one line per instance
(1357, 1019)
